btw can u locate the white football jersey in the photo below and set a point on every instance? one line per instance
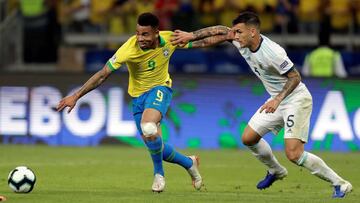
(269, 63)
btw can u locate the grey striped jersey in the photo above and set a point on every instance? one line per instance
(269, 63)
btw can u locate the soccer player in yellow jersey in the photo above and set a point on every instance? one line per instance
(147, 56)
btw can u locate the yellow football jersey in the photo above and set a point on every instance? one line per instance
(147, 68)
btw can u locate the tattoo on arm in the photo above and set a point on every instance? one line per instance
(209, 41)
(211, 31)
(294, 79)
(96, 80)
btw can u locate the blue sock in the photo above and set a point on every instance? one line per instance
(156, 152)
(172, 156)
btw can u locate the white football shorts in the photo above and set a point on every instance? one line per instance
(293, 114)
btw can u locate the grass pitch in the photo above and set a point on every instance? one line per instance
(122, 174)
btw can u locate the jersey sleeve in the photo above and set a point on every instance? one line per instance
(279, 60)
(186, 46)
(120, 56)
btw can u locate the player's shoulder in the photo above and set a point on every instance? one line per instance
(128, 49)
(271, 47)
(130, 44)
(131, 41)
(268, 43)
(166, 35)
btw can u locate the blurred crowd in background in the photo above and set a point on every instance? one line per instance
(46, 22)
(119, 16)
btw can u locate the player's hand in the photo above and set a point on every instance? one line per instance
(181, 37)
(270, 106)
(69, 101)
(231, 35)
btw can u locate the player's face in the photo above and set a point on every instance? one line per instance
(146, 36)
(243, 34)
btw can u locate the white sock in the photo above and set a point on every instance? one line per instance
(262, 151)
(319, 168)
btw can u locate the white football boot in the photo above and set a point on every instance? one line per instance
(194, 173)
(341, 190)
(158, 184)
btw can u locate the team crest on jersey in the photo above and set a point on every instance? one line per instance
(166, 52)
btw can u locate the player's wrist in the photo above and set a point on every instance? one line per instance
(76, 95)
(192, 36)
(278, 99)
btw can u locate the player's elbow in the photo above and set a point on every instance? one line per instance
(297, 80)
(299, 77)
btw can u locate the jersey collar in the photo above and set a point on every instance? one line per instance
(261, 40)
(161, 43)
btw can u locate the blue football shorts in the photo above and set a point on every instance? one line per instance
(158, 98)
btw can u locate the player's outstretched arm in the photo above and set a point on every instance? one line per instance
(96, 80)
(209, 41)
(211, 31)
(181, 37)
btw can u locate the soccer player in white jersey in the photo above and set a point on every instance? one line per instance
(289, 105)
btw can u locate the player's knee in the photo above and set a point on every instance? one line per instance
(250, 137)
(246, 140)
(149, 129)
(293, 155)
(249, 140)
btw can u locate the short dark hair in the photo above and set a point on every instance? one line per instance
(148, 19)
(247, 17)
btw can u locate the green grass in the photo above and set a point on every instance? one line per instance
(121, 174)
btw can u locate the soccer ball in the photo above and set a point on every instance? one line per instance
(22, 179)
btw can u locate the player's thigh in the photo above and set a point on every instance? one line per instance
(157, 103)
(296, 115)
(151, 115)
(138, 108)
(137, 118)
(263, 123)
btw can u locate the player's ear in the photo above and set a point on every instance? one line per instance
(157, 32)
(253, 32)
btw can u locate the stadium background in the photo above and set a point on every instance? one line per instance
(48, 48)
